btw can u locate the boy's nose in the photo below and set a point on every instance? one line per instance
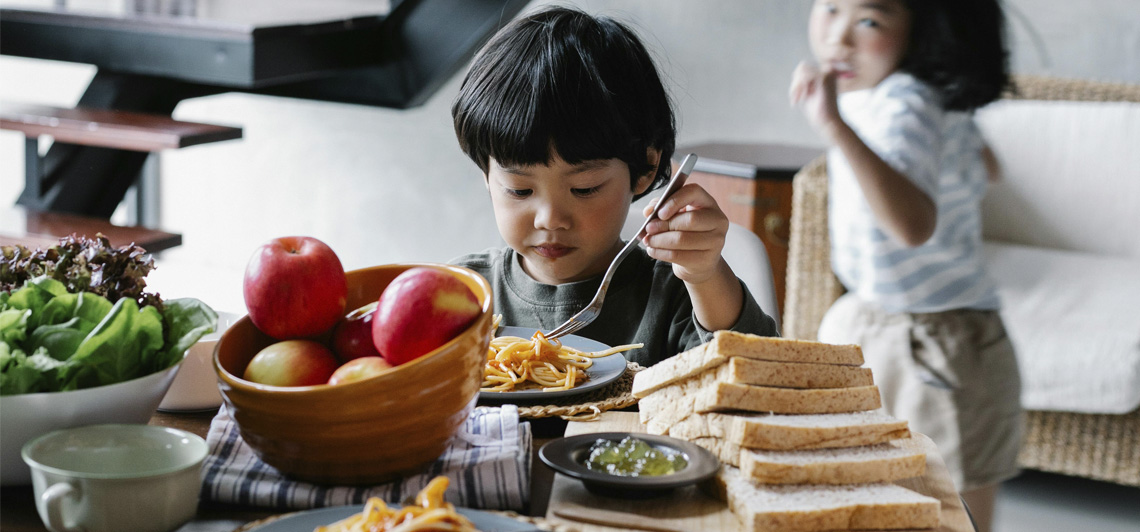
(550, 217)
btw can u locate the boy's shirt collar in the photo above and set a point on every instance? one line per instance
(575, 293)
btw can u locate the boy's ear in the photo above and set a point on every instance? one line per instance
(653, 157)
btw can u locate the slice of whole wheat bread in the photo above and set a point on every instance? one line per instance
(883, 462)
(789, 432)
(725, 396)
(727, 453)
(740, 370)
(793, 374)
(673, 403)
(878, 506)
(677, 367)
(729, 344)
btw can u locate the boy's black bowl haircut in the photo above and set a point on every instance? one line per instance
(563, 82)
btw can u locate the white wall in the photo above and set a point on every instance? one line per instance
(383, 186)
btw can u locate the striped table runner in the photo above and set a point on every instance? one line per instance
(487, 462)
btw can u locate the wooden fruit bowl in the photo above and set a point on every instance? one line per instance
(363, 432)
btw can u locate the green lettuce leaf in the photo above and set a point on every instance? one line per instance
(116, 350)
(66, 321)
(14, 325)
(186, 320)
(81, 340)
(35, 295)
(23, 374)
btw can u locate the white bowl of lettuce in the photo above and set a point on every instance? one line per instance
(75, 358)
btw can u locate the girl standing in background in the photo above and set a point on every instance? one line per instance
(891, 92)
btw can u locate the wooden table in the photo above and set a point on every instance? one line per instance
(691, 510)
(18, 510)
(685, 509)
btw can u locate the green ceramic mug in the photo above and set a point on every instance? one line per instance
(116, 477)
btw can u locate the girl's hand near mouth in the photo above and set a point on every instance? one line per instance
(813, 90)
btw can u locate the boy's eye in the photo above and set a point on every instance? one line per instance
(517, 192)
(585, 191)
(829, 7)
(869, 23)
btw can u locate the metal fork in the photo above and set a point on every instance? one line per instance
(590, 313)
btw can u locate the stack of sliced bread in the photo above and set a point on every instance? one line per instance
(798, 428)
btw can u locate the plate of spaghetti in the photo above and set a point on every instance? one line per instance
(429, 513)
(522, 365)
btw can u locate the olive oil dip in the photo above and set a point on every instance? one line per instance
(633, 457)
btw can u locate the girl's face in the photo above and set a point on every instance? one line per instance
(564, 220)
(863, 41)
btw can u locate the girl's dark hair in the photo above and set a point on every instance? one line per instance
(958, 46)
(561, 80)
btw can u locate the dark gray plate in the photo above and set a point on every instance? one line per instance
(568, 456)
(308, 520)
(604, 371)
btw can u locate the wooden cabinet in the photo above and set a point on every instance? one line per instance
(753, 185)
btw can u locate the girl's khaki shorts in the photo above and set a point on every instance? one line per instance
(951, 375)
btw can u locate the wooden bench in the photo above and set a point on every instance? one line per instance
(103, 128)
(42, 229)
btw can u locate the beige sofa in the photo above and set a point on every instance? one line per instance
(1062, 231)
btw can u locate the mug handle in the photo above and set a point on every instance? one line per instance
(53, 500)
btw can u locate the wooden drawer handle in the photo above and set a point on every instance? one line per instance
(775, 227)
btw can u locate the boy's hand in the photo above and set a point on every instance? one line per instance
(813, 91)
(690, 234)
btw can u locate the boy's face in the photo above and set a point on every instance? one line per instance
(863, 41)
(564, 220)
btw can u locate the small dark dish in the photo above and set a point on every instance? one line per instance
(568, 456)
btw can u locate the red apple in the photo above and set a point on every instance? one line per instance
(295, 287)
(292, 363)
(359, 369)
(352, 337)
(419, 311)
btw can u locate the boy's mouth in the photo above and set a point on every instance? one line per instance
(552, 251)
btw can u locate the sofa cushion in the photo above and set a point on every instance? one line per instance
(1069, 175)
(1074, 319)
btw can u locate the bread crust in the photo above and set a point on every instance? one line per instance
(726, 345)
(815, 508)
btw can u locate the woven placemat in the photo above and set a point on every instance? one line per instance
(588, 405)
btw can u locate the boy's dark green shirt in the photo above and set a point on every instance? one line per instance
(645, 304)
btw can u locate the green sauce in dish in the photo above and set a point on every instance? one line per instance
(633, 457)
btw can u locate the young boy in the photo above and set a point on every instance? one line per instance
(568, 119)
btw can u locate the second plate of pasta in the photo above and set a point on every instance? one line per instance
(602, 371)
